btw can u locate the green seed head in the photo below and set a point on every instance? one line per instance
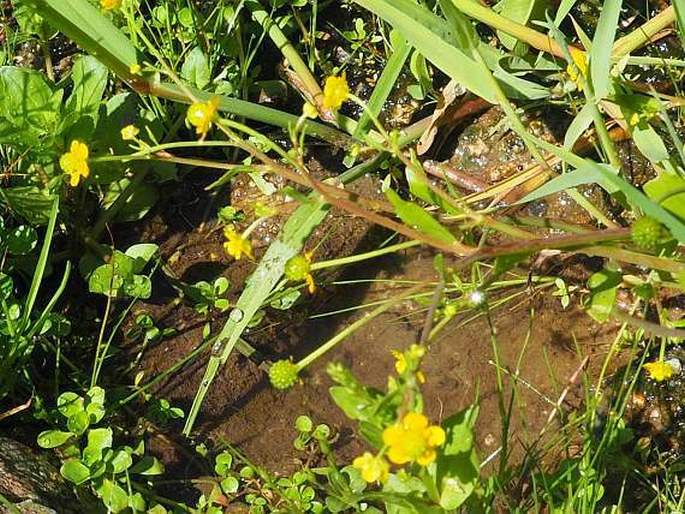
(283, 374)
(297, 268)
(646, 232)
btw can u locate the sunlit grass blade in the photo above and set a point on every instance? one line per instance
(600, 55)
(86, 26)
(257, 289)
(41, 264)
(433, 37)
(385, 84)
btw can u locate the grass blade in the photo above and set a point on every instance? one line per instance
(258, 287)
(432, 36)
(600, 55)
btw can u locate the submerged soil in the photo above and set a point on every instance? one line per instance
(542, 347)
(540, 344)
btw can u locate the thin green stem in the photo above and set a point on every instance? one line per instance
(347, 331)
(343, 261)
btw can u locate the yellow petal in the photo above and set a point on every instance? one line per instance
(435, 436)
(415, 421)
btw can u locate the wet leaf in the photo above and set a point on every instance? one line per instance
(100, 438)
(21, 240)
(53, 438)
(69, 403)
(79, 422)
(148, 466)
(603, 285)
(113, 495)
(75, 471)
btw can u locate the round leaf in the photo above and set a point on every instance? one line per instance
(21, 240)
(53, 438)
(79, 422)
(74, 471)
(229, 485)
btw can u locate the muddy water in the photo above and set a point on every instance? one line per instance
(545, 343)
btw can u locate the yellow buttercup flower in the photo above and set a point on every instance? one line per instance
(659, 370)
(75, 162)
(135, 69)
(373, 468)
(201, 115)
(129, 132)
(236, 245)
(110, 5)
(413, 440)
(579, 66)
(335, 92)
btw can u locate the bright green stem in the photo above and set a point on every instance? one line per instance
(343, 261)
(351, 329)
(644, 34)
(253, 112)
(284, 46)
(600, 126)
(486, 15)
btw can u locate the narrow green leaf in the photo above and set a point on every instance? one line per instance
(83, 23)
(385, 85)
(435, 39)
(257, 289)
(415, 217)
(602, 44)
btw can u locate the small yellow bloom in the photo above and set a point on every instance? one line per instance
(129, 132)
(110, 5)
(135, 69)
(659, 370)
(201, 115)
(413, 440)
(335, 92)
(236, 245)
(579, 65)
(75, 162)
(373, 468)
(414, 353)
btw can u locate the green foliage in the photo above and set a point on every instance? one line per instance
(122, 276)
(90, 456)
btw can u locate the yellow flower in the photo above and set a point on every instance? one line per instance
(659, 370)
(373, 468)
(201, 115)
(579, 65)
(413, 440)
(129, 132)
(134, 69)
(75, 162)
(110, 5)
(335, 92)
(414, 353)
(236, 245)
